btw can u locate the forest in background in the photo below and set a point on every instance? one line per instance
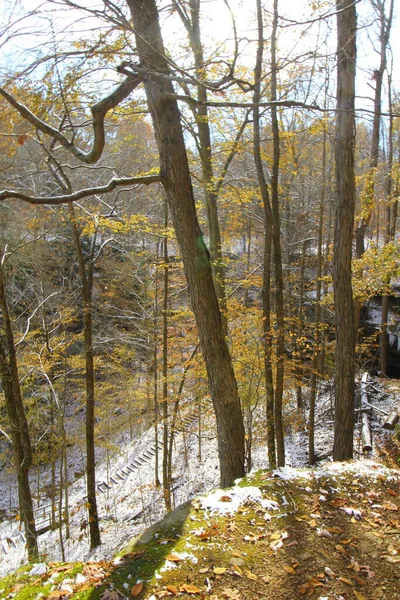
(114, 305)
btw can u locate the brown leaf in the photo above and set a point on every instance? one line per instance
(190, 589)
(307, 588)
(359, 595)
(334, 529)
(174, 558)
(391, 492)
(315, 582)
(172, 588)
(346, 581)
(137, 588)
(338, 502)
(225, 499)
(340, 549)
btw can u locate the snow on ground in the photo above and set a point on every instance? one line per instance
(132, 504)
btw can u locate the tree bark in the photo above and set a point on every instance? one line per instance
(344, 222)
(266, 289)
(276, 235)
(197, 265)
(19, 425)
(86, 276)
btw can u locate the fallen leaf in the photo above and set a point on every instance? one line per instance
(340, 549)
(236, 570)
(307, 588)
(250, 575)
(359, 595)
(136, 590)
(190, 589)
(219, 570)
(231, 594)
(173, 589)
(275, 536)
(391, 492)
(109, 595)
(334, 529)
(174, 558)
(225, 499)
(346, 581)
(289, 570)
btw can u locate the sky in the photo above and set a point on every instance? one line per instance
(294, 40)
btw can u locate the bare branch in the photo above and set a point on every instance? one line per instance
(99, 111)
(28, 323)
(85, 193)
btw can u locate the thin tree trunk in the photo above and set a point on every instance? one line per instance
(266, 289)
(155, 378)
(315, 365)
(276, 235)
(19, 425)
(178, 188)
(389, 235)
(166, 472)
(368, 200)
(344, 221)
(86, 276)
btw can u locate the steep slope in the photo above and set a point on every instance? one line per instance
(327, 533)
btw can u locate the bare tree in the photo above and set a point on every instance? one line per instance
(344, 222)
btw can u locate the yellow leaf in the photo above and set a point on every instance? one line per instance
(347, 581)
(275, 536)
(289, 569)
(236, 570)
(219, 570)
(250, 575)
(359, 595)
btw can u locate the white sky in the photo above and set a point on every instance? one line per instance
(217, 26)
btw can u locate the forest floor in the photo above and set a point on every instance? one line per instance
(329, 533)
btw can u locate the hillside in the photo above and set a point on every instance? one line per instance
(328, 533)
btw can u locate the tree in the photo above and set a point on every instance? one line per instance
(177, 184)
(16, 413)
(344, 222)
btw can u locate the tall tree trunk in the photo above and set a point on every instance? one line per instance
(315, 365)
(166, 471)
(266, 288)
(368, 200)
(86, 275)
(19, 425)
(276, 234)
(390, 231)
(178, 188)
(344, 222)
